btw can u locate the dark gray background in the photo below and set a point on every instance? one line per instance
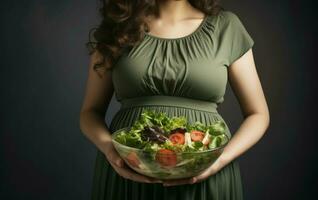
(43, 73)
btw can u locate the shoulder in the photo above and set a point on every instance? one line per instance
(229, 22)
(233, 35)
(227, 17)
(223, 20)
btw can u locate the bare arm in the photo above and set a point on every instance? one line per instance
(247, 88)
(99, 91)
(246, 85)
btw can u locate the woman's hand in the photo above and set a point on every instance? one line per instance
(213, 169)
(122, 169)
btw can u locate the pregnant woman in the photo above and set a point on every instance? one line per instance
(173, 56)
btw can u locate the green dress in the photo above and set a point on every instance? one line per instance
(179, 76)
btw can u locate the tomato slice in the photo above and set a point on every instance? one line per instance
(196, 135)
(166, 157)
(133, 160)
(177, 138)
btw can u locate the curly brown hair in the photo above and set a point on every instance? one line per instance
(124, 23)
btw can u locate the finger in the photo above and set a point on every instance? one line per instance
(116, 159)
(138, 177)
(203, 175)
(200, 177)
(127, 173)
(141, 177)
(179, 181)
(154, 180)
(119, 162)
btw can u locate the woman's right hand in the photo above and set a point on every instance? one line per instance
(123, 169)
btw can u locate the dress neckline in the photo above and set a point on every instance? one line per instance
(202, 23)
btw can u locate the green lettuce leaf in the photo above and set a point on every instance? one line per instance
(217, 128)
(217, 141)
(196, 126)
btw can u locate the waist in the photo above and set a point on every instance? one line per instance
(174, 101)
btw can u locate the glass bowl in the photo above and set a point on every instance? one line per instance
(167, 165)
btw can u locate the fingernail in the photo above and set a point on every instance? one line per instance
(193, 180)
(119, 163)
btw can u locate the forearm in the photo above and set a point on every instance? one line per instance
(251, 130)
(95, 129)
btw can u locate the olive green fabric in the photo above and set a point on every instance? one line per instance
(179, 76)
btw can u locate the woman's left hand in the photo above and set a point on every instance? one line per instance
(214, 168)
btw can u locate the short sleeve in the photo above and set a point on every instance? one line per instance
(236, 38)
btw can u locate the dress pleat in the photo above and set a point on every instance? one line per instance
(224, 185)
(193, 67)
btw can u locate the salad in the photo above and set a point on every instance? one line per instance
(161, 145)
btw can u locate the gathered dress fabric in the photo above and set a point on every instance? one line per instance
(185, 76)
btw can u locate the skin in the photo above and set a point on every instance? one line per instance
(97, 97)
(243, 79)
